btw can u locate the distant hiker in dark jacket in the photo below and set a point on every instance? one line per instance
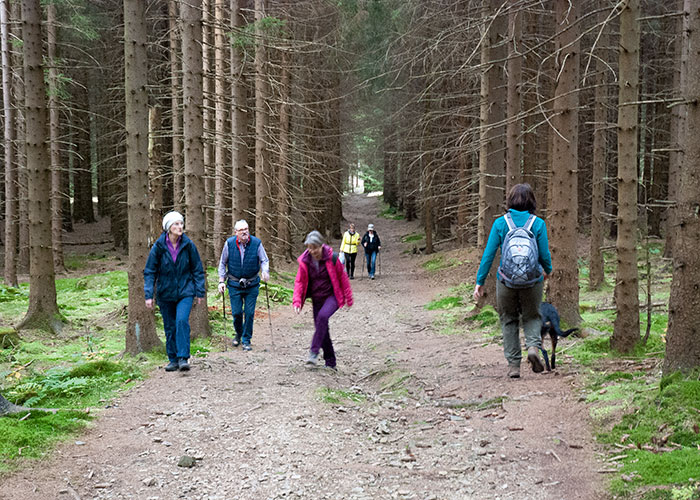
(175, 269)
(242, 258)
(321, 277)
(523, 302)
(372, 247)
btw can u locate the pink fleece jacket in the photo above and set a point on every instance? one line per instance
(336, 272)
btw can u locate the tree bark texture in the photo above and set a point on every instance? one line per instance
(562, 214)
(54, 146)
(492, 139)
(626, 331)
(195, 198)
(140, 332)
(683, 336)
(154, 165)
(596, 276)
(240, 184)
(263, 202)
(11, 205)
(175, 108)
(43, 310)
(514, 125)
(222, 196)
(284, 236)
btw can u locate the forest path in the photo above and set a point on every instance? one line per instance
(259, 428)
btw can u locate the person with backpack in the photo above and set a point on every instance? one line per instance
(348, 247)
(321, 277)
(242, 258)
(525, 264)
(372, 246)
(175, 268)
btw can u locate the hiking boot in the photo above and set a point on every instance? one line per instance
(237, 341)
(172, 366)
(312, 360)
(533, 357)
(183, 365)
(247, 347)
(514, 371)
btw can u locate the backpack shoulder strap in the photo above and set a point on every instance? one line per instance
(530, 222)
(509, 221)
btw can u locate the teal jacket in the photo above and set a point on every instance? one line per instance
(498, 234)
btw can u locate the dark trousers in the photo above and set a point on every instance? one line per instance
(350, 263)
(176, 323)
(323, 310)
(241, 297)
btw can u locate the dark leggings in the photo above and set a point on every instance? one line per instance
(350, 263)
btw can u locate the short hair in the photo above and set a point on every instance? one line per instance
(521, 197)
(314, 238)
(240, 225)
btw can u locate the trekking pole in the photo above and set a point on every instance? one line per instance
(267, 295)
(380, 262)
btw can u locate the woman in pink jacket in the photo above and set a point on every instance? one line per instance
(321, 276)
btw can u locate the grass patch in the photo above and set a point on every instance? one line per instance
(440, 262)
(445, 303)
(35, 436)
(390, 213)
(412, 238)
(339, 396)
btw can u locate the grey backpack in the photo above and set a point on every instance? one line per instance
(520, 266)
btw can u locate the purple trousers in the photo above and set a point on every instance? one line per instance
(323, 310)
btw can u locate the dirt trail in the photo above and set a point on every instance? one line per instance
(259, 430)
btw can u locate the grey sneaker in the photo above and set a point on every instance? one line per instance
(247, 347)
(312, 360)
(514, 371)
(183, 365)
(533, 357)
(172, 366)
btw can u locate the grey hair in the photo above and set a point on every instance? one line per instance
(240, 224)
(314, 238)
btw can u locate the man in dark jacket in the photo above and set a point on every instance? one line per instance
(372, 246)
(174, 266)
(242, 258)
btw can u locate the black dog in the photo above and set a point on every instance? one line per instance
(550, 326)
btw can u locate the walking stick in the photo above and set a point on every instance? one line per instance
(380, 262)
(267, 295)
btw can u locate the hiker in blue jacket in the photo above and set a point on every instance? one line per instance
(242, 258)
(518, 300)
(174, 267)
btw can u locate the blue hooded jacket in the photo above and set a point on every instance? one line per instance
(175, 280)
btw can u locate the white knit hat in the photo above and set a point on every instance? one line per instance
(170, 218)
(370, 227)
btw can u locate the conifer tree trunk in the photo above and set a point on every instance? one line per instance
(18, 87)
(683, 336)
(208, 143)
(221, 193)
(11, 205)
(596, 275)
(677, 130)
(141, 332)
(626, 332)
(240, 183)
(54, 124)
(562, 205)
(154, 166)
(263, 203)
(192, 86)
(513, 127)
(175, 110)
(492, 137)
(284, 236)
(43, 310)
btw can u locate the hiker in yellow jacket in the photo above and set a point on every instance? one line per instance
(351, 240)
